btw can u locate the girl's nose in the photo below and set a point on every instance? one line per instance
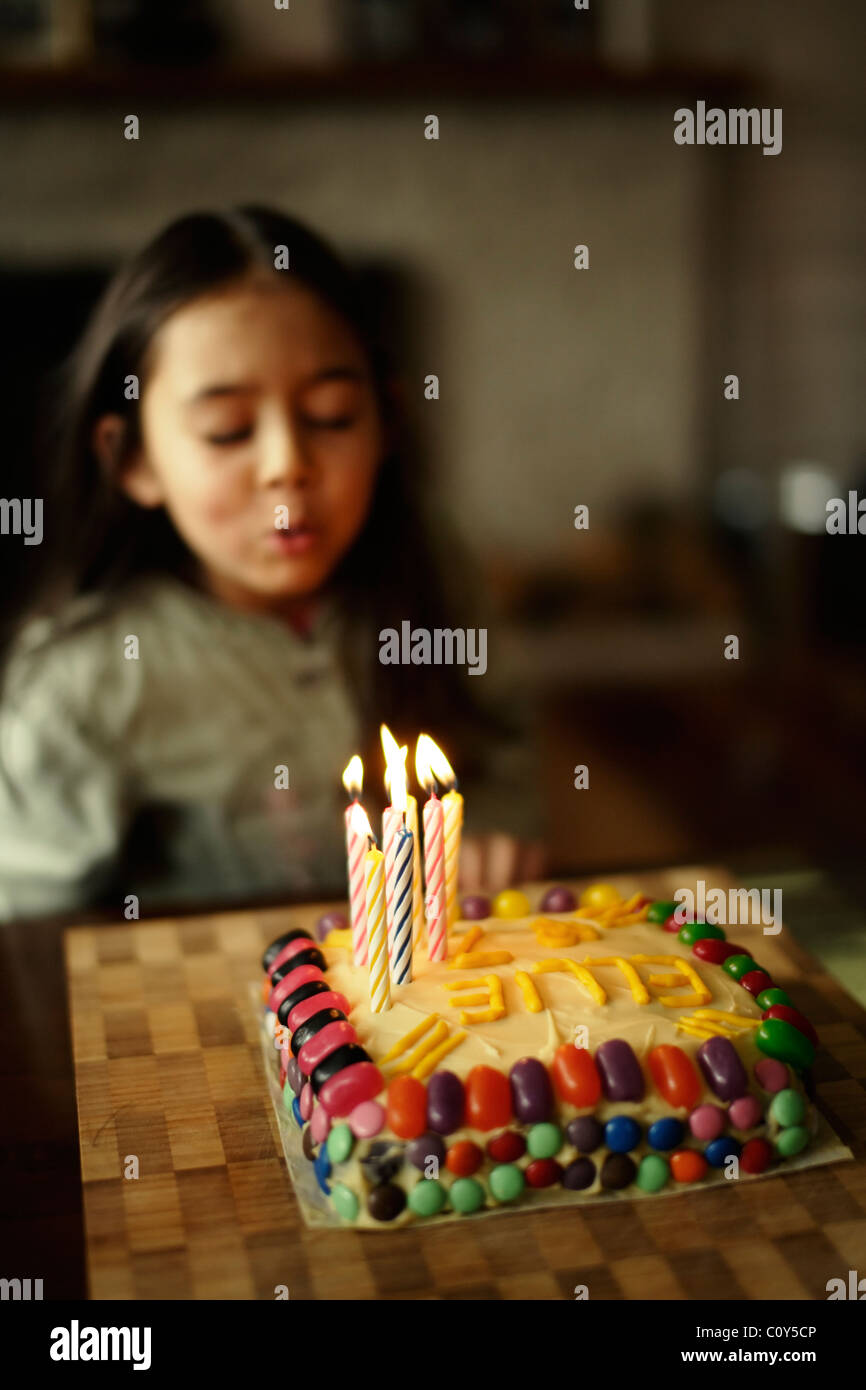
(282, 457)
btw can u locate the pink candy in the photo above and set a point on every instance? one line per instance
(323, 1043)
(320, 1124)
(745, 1113)
(300, 943)
(707, 1122)
(367, 1119)
(306, 1102)
(327, 999)
(347, 1088)
(304, 975)
(771, 1075)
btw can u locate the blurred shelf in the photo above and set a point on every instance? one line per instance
(372, 81)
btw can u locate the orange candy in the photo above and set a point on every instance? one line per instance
(674, 1075)
(464, 1158)
(488, 1099)
(575, 1075)
(406, 1107)
(687, 1165)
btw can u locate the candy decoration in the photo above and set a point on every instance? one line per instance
(558, 899)
(531, 1091)
(665, 1134)
(308, 1143)
(720, 1063)
(427, 1146)
(700, 931)
(674, 1075)
(298, 996)
(305, 1100)
(745, 1113)
(507, 1147)
(320, 1124)
(787, 1107)
(488, 1098)
(340, 1143)
(382, 1161)
(659, 911)
(407, 1107)
(322, 1018)
(653, 1173)
(466, 1195)
(345, 1201)
(445, 1102)
(755, 981)
(714, 952)
(322, 1170)
(296, 1112)
(720, 1150)
(791, 1141)
(771, 1075)
(796, 1020)
(511, 903)
(330, 921)
(768, 997)
(598, 896)
(275, 947)
(707, 1122)
(291, 949)
(297, 979)
(782, 1040)
(579, 1175)
(622, 1133)
(506, 1182)
(617, 1171)
(346, 1056)
(475, 907)
(322, 999)
(756, 1156)
(621, 1076)
(575, 1076)
(348, 1087)
(312, 956)
(671, 924)
(687, 1165)
(386, 1202)
(294, 1075)
(737, 966)
(585, 1133)
(464, 1159)
(543, 1172)
(544, 1140)
(314, 1052)
(427, 1197)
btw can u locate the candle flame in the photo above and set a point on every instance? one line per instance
(359, 823)
(395, 771)
(439, 764)
(423, 764)
(353, 776)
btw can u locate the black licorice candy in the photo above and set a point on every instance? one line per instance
(345, 1056)
(275, 947)
(311, 957)
(302, 992)
(314, 1025)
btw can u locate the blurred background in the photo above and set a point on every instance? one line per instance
(602, 387)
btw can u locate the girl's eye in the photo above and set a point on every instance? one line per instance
(234, 438)
(334, 422)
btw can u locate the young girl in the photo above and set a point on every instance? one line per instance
(183, 644)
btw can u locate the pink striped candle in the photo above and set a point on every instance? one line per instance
(434, 875)
(357, 832)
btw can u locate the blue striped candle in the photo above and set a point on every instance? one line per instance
(401, 955)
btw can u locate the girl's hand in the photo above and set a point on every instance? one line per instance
(489, 863)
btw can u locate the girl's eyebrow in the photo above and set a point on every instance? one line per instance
(241, 388)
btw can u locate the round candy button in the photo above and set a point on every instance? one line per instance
(700, 931)
(511, 903)
(665, 1134)
(558, 899)
(367, 1119)
(687, 1165)
(507, 1147)
(543, 1172)
(720, 1150)
(745, 1113)
(579, 1175)
(585, 1133)
(598, 896)
(617, 1171)
(345, 1201)
(771, 1075)
(464, 1158)
(544, 1141)
(506, 1182)
(756, 1156)
(787, 1108)
(791, 1141)
(427, 1197)
(474, 907)
(465, 1195)
(340, 1143)
(621, 1134)
(653, 1173)
(386, 1201)
(707, 1122)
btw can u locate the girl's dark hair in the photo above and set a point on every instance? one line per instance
(391, 573)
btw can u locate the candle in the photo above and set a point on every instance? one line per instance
(374, 867)
(417, 880)
(393, 821)
(400, 935)
(452, 816)
(356, 847)
(434, 854)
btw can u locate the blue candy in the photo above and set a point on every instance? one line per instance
(322, 1170)
(621, 1134)
(296, 1111)
(718, 1151)
(666, 1134)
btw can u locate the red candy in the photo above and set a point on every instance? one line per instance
(713, 951)
(671, 924)
(755, 980)
(575, 1075)
(674, 1075)
(323, 1043)
(488, 1099)
(327, 999)
(756, 1155)
(304, 975)
(347, 1088)
(687, 1165)
(507, 1147)
(464, 1158)
(300, 943)
(407, 1107)
(543, 1172)
(795, 1018)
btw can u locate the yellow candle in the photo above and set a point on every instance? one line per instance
(377, 934)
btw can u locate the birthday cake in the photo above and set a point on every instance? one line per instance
(605, 1048)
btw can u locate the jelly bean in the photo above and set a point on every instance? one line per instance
(345, 1201)
(543, 1172)
(311, 956)
(531, 1091)
(488, 1098)
(507, 1147)
(382, 1161)
(720, 1063)
(665, 1134)
(585, 1133)
(308, 1144)
(349, 1087)
(330, 921)
(296, 1111)
(768, 997)
(745, 1113)
(320, 1124)
(713, 952)
(544, 1141)
(340, 1143)
(652, 1173)
(621, 1076)
(796, 1020)
(781, 1040)
(386, 1202)
(687, 1165)
(314, 1024)
(707, 1122)
(303, 975)
(558, 899)
(621, 1134)
(579, 1175)
(506, 1182)
(287, 1097)
(672, 925)
(575, 1076)
(427, 1197)
(771, 1075)
(322, 1170)
(349, 1054)
(674, 1075)
(308, 1008)
(475, 907)
(445, 1102)
(428, 1146)
(464, 1158)
(303, 992)
(294, 1075)
(755, 981)
(787, 1107)
(289, 951)
(511, 903)
(739, 965)
(658, 912)
(407, 1106)
(756, 1156)
(700, 931)
(791, 1141)
(600, 895)
(367, 1119)
(275, 947)
(719, 1151)
(465, 1195)
(324, 1043)
(306, 1101)
(617, 1171)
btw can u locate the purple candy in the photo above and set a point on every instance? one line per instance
(330, 921)
(294, 1075)
(621, 1076)
(445, 1102)
(420, 1150)
(531, 1091)
(720, 1063)
(475, 907)
(558, 899)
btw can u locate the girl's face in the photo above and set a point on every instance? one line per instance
(259, 399)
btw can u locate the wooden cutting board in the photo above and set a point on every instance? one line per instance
(168, 1075)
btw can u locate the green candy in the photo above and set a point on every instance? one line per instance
(340, 1143)
(427, 1197)
(699, 931)
(288, 1097)
(544, 1140)
(781, 1040)
(787, 1108)
(506, 1182)
(738, 966)
(465, 1194)
(768, 997)
(653, 1173)
(661, 911)
(344, 1200)
(791, 1141)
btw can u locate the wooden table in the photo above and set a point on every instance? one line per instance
(168, 1074)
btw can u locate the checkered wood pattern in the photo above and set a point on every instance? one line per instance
(168, 1069)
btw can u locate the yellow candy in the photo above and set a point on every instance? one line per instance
(600, 895)
(511, 903)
